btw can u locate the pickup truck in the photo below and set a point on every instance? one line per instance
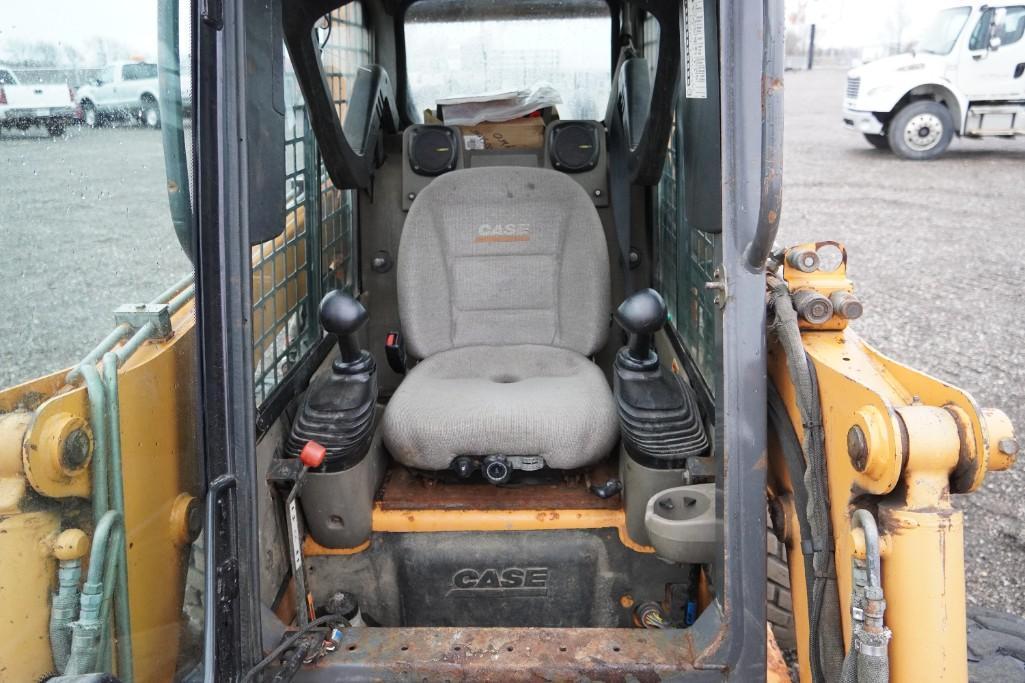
(124, 91)
(965, 77)
(23, 105)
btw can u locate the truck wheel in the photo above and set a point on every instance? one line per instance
(779, 608)
(996, 646)
(55, 129)
(89, 115)
(878, 141)
(921, 131)
(150, 113)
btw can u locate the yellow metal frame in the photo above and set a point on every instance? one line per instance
(434, 520)
(923, 439)
(157, 406)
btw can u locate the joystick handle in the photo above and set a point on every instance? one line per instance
(642, 314)
(343, 316)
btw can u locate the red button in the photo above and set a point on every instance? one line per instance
(313, 454)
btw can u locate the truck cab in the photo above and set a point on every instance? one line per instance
(125, 90)
(966, 76)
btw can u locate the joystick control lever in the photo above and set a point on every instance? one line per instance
(343, 316)
(338, 408)
(642, 314)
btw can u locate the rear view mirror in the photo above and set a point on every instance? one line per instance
(996, 28)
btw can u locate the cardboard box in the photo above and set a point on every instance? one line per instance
(525, 133)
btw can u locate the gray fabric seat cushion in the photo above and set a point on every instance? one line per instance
(513, 400)
(503, 255)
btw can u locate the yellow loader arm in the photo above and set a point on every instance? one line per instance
(896, 444)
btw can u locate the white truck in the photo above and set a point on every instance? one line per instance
(966, 76)
(124, 91)
(23, 105)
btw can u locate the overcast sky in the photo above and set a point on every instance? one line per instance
(865, 23)
(841, 23)
(132, 22)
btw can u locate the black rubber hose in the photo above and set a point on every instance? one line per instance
(289, 643)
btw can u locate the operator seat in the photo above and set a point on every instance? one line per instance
(503, 283)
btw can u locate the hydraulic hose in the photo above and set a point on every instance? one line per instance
(117, 489)
(63, 611)
(87, 632)
(826, 647)
(867, 659)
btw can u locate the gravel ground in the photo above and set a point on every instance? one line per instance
(84, 227)
(932, 254)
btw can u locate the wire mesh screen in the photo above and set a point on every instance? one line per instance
(347, 47)
(684, 261)
(315, 253)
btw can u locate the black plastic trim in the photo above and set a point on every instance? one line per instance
(372, 106)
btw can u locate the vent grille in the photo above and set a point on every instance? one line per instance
(853, 85)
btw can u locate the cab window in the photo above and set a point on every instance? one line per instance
(137, 72)
(486, 46)
(316, 251)
(1009, 32)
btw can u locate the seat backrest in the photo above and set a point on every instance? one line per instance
(503, 255)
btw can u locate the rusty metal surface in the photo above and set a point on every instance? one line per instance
(404, 490)
(507, 655)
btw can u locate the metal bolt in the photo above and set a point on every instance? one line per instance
(806, 261)
(846, 305)
(812, 306)
(857, 448)
(75, 451)
(1008, 446)
(411, 196)
(597, 193)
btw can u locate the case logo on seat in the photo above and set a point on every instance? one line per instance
(503, 232)
(528, 581)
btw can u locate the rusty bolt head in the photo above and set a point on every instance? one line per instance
(857, 448)
(1008, 446)
(75, 450)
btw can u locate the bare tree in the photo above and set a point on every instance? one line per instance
(101, 50)
(898, 21)
(31, 54)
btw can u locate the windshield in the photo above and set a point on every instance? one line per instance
(467, 52)
(942, 33)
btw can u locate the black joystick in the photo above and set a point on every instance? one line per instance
(343, 316)
(642, 315)
(339, 407)
(659, 419)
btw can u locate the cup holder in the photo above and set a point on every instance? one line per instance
(681, 523)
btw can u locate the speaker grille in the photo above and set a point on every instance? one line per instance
(433, 150)
(574, 146)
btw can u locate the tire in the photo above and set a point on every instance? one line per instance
(150, 113)
(90, 116)
(996, 647)
(55, 129)
(921, 131)
(779, 607)
(878, 141)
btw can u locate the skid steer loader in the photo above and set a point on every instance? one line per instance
(488, 369)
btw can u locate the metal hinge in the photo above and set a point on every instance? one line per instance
(212, 13)
(719, 286)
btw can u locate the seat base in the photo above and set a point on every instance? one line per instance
(517, 400)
